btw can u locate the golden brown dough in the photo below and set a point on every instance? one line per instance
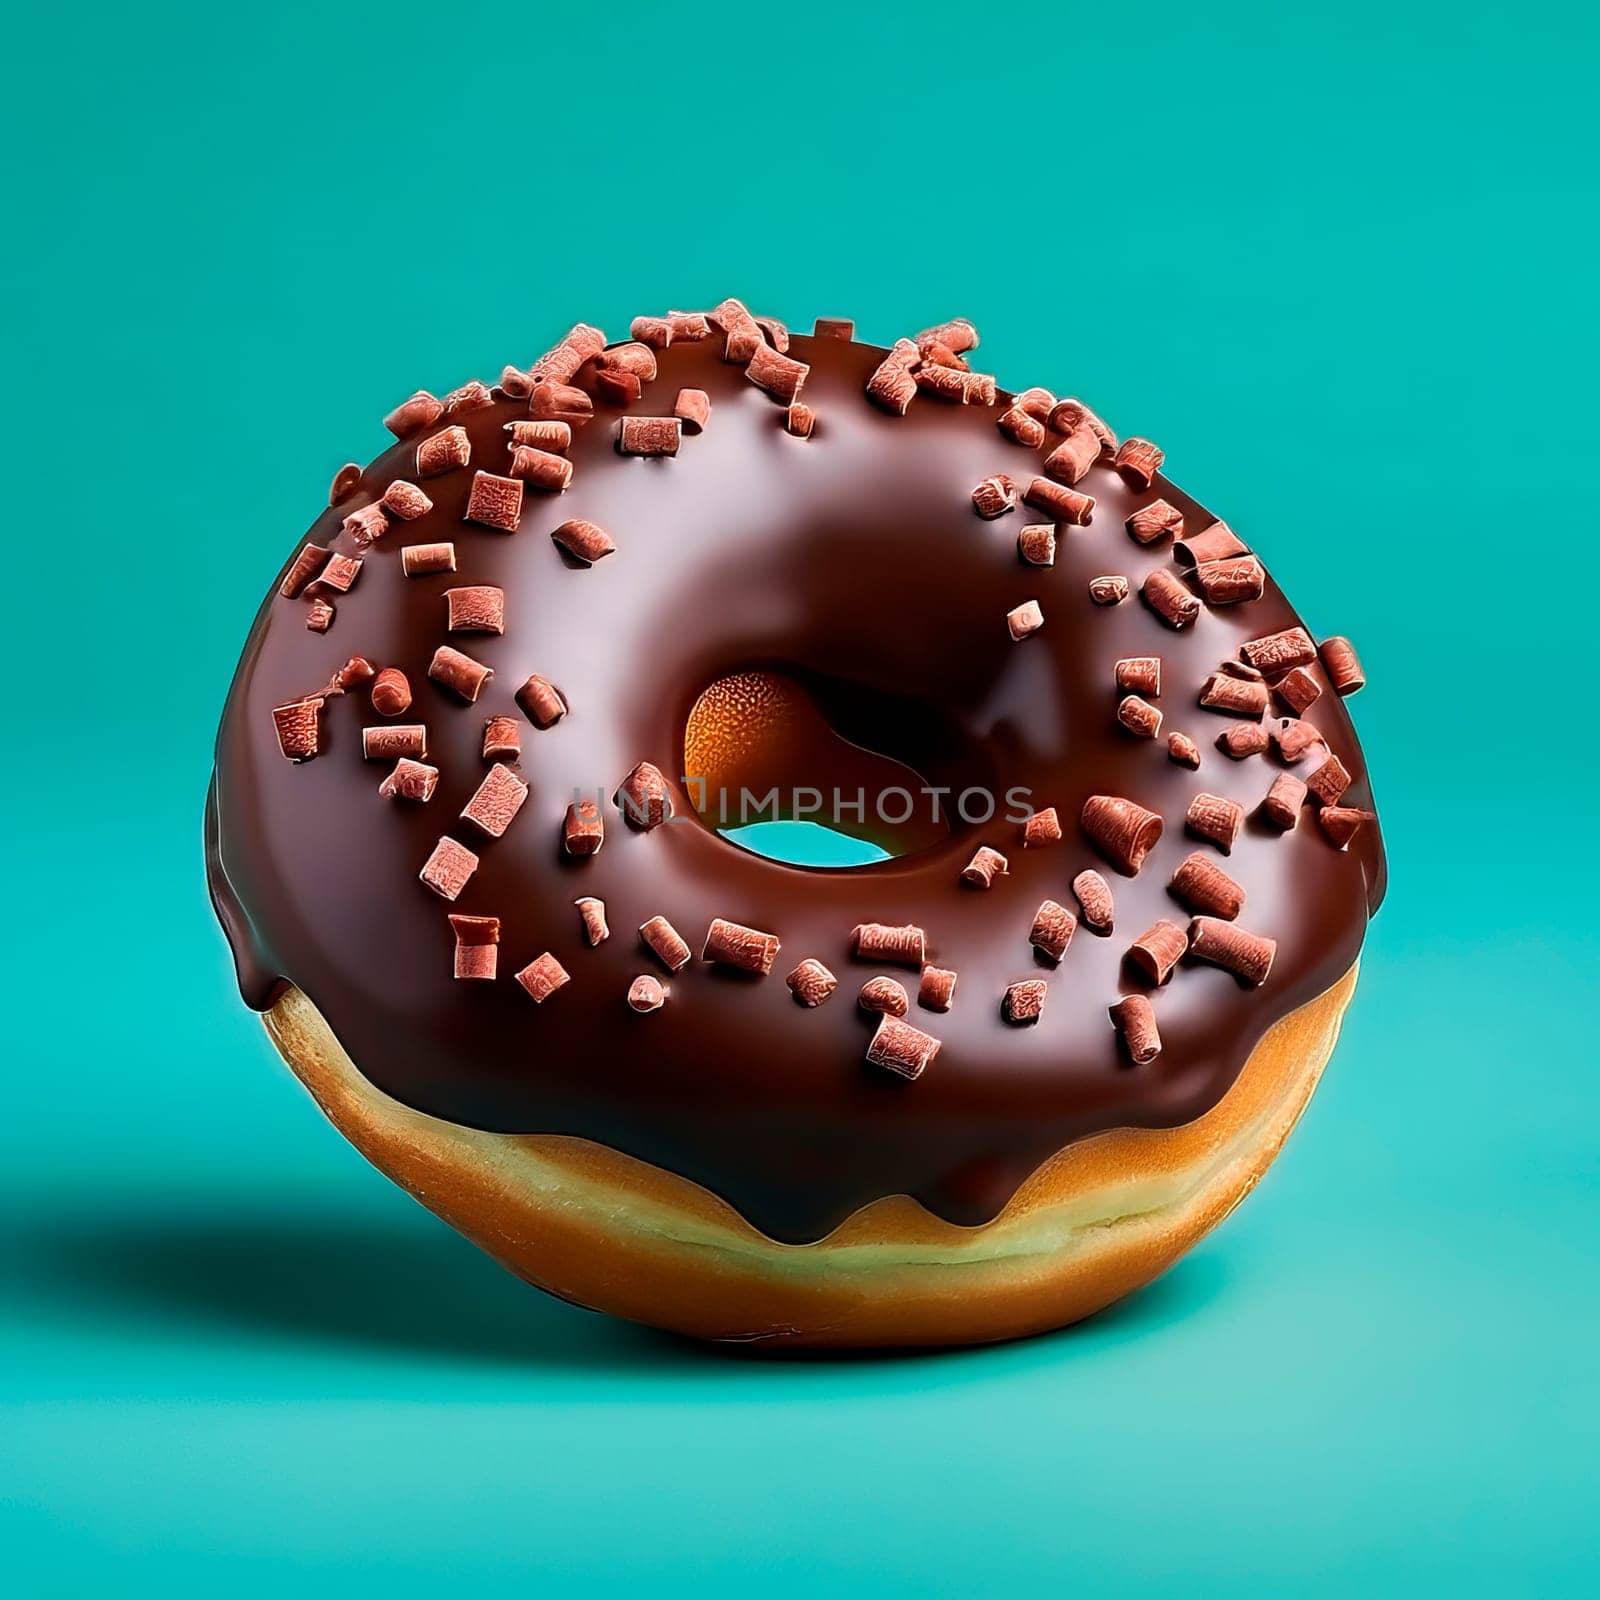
(1096, 1221)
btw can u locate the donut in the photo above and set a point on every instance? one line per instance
(480, 835)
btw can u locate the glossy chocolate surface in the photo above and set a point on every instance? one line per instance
(853, 559)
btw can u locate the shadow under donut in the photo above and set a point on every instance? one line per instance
(410, 1287)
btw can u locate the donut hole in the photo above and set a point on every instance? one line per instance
(815, 772)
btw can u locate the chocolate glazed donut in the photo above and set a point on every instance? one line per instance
(463, 835)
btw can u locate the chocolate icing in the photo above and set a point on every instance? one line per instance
(853, 559)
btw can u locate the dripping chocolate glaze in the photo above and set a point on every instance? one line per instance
(853, 557)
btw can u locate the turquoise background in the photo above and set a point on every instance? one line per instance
(1338, 260)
